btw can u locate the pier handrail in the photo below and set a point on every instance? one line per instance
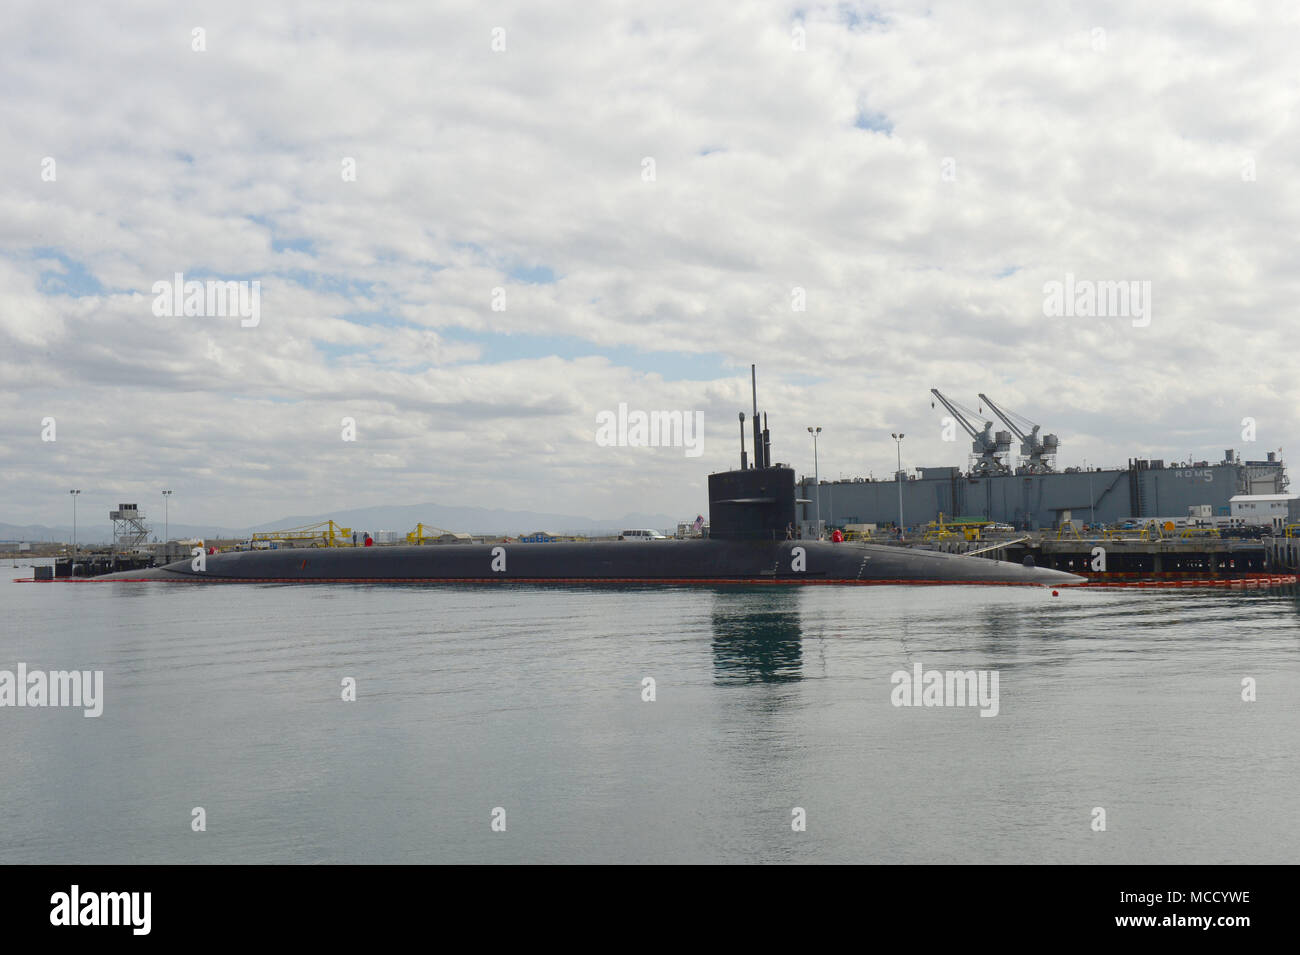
(997, 546)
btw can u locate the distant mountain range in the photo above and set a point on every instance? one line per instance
(401, 518)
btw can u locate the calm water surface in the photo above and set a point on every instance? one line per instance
(530, 699)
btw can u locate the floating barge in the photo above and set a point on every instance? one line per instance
(87, 566)
(1201, 561)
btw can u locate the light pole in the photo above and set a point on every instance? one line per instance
(1092, 516)
(898, 440)
(74, 524)
(817, 479)
(167, 525)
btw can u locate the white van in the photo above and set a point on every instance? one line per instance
(641, 535)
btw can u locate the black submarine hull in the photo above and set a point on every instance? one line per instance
(752, 517)
(628, 562)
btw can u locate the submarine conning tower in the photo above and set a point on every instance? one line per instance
(752, 503)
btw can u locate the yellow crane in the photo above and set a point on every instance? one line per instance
(950, 530)
(419, 535)
(1149, 532)
(324, 534)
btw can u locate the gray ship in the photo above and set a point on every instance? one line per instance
(1033, 494)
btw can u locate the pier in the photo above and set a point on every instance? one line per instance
(1132, 559)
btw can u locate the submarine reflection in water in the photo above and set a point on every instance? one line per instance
(757, 637)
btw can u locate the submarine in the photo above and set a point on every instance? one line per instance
(751, 516)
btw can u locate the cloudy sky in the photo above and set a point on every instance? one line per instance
(645, 188)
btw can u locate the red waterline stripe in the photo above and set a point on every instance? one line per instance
(710, 581)
(1259, 580)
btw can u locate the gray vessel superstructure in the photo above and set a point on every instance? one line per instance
(1144, 490)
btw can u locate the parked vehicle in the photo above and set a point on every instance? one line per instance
(641, 535)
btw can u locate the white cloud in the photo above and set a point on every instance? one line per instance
(1111, 163)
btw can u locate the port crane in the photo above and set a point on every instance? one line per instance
(989, 449)
(424, 534)
(1038, 455)
(324, 534)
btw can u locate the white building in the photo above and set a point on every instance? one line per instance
(1272, 510)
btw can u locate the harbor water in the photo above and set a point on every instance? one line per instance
(515, 724)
